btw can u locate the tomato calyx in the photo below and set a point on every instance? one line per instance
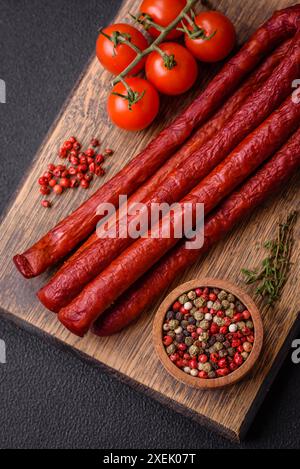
(195, 32)
(131, 96)
(119, 38)
(169, 59)
(146, 21)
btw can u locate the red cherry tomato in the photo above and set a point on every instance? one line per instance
(175, 80)
(163, 12)
(140, 114)
(116, 58)
(220, 44)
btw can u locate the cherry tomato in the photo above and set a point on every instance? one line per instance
(220, 44)
(163, 12)
(116, 58)
(139, 114)
(175, 80)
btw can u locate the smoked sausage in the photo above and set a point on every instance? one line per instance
(195, 165)
(65, 236)
(98, 295)
(144, 293)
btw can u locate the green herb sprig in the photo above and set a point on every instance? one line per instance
(274, 270)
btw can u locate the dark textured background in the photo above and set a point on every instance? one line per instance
(49, 397)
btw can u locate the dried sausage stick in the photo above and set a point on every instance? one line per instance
(75, 274)
(144, 293)
(65, 236)
(80, 314)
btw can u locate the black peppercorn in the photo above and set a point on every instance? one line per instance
(180, 338)
(239, 307)
(220, 338)
(170, 315)
(212, 341)
(179, 316)
(192, 320)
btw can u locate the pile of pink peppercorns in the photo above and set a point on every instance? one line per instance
(83, 166)
(208, 333)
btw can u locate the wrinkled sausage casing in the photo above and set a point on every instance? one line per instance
(62, 239)
(144, 293)
(79, 315)
(194, 166)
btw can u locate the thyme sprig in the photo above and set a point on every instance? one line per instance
(273, 274)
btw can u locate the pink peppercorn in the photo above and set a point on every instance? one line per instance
(202, 358)
(58, 189)
(46, 203)
(84, 184)
(176, 306)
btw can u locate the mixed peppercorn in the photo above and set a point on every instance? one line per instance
(84, 165)
(208, 333)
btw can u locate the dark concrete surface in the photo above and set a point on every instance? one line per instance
(49, 398)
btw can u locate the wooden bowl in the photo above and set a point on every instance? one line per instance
(214, 382)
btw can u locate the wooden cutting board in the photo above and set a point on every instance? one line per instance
(130, 354)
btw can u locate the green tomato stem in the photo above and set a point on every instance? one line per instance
(157, 41)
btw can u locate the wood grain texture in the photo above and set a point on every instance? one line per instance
(131, 354)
